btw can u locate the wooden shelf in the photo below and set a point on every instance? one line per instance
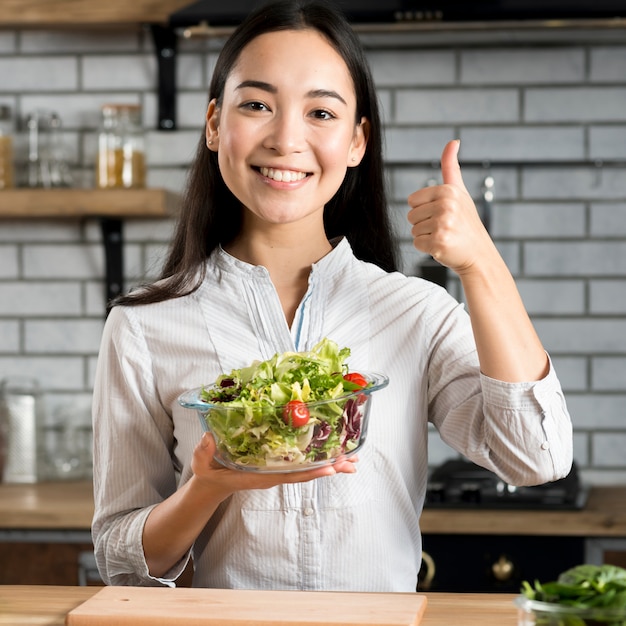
(63, 13)
(73, 203)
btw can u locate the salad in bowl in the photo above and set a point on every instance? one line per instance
(295, 411)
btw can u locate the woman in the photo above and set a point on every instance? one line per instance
(284, 240)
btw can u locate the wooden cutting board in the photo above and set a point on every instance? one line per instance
(130, 606)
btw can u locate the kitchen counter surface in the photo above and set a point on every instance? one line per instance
(46, 506)
(46, 604)
(69, 506)
(604, 515)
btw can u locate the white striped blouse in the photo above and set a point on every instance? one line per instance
(349, 532)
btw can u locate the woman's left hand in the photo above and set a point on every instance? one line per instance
(445, 221)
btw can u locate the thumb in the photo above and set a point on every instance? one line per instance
(450, 168)
(207, 442)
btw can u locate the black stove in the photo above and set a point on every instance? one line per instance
(461, 484)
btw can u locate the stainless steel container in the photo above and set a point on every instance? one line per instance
(22, 416)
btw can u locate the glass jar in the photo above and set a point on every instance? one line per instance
(120, 161)
(6, 148)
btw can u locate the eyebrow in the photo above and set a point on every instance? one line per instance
(314, 93)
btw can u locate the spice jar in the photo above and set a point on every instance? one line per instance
(6, 148)
(120, 161)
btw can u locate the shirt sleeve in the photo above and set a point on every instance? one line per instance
(133, 468)
(528, 431)
(521, 431)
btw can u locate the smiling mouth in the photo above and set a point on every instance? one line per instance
(284, 176)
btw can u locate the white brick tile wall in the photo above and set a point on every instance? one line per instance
(597, 411)
(191, 108)
(541, 220)
(78, 111)
(55, 373)
(33, 298)
(591, 183)
(581, 448)
(8, 261)
(405, 145)
(9, 336)
(438, 451)
(510, 252)
(522, 66)
(172, 148)
(155, 255)
(573, 372)
(608, 373)
(68, 260)
(73, 336)
(575, 258)
(417, 67)
(8, 42)
(523, 143)
(607, 477)
(607, 142)
(607, 297)
(137, 72)
(607, 220)
(171, 178)
(584, 335)
(544, 120)
(608, 64)
(57, 41)
(29, 230)
(553, 297)
(575, 104)
(608, 449)
(458, 106)
(134, 265)
(39, 74)
(94, 298)
(385, 99)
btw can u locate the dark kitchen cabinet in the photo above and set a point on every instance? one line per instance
(495, 563)
(45, 563)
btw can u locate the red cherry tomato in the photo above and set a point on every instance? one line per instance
(296, 413)
(356, 378)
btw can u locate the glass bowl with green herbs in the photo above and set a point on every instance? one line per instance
(585, 595)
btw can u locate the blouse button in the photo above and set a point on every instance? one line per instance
(545, 445)
(308, 511)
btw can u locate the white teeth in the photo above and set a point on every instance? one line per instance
(285, 176)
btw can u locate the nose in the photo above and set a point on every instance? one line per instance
(286, 133)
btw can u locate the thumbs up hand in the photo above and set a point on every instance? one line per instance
(445, 220)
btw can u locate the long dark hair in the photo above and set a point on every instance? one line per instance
(211, 215)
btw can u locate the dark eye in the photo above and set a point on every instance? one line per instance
(254, 106)
(322, 114)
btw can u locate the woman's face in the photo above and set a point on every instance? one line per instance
(286, 131)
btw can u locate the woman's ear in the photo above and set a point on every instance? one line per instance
(212, 126)
(359, 142)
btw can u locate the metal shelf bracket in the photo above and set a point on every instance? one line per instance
(166, 45)
(112, 238)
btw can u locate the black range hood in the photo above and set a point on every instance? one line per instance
(216, 13)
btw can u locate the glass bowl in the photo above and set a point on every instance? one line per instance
(260, 439)
(536, 613)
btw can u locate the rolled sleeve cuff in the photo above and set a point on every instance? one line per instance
(529, 421)
(133, 558)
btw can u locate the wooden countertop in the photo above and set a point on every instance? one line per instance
(46, 506)
(69, 505)
(603, 516)
(47, 604)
